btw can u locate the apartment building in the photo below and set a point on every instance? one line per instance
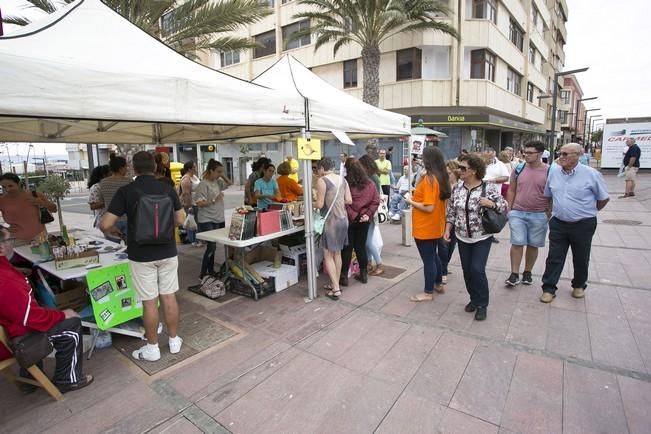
(490, 87)
(571, 111)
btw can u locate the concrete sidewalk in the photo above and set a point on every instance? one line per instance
(376, 362)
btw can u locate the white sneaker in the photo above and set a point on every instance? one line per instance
(396, 217)
(150, 353)
(175, 344)
(444, 279)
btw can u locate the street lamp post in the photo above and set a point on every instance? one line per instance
(576, 114)
(552, 144)
(586, 118)
(592, 118)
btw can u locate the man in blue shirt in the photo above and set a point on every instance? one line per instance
(577, 193)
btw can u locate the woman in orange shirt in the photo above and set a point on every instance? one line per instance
(428, 218)
(288, 187)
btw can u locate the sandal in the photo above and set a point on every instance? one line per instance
(421, 297)
(334, 295)
(377, 271)
(328, 287)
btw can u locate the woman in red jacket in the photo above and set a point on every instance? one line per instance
(21, 314)
(360, 214)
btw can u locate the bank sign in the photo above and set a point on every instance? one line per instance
(614, 143)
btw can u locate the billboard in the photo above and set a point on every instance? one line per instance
(614, 143)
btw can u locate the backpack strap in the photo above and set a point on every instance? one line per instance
(519, 168)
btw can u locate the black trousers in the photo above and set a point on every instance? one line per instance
(386, 190)
(474, 257)
(65, 337)
(563, 236)
(357, 235)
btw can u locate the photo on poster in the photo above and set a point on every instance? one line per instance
(417, 143)
(101, 291)
(126, 303)
(121, 282)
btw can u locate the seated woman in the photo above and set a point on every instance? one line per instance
(288, 187)
(20, 209)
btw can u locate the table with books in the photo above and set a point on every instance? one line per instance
(249, 229)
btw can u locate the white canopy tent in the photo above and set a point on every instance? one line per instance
(87, 75)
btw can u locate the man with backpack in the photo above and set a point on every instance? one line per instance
(529, 212)
(153, 210)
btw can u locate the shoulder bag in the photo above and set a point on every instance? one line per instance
(31, 348)
(492, 220)
(44, 215)
(319, 220)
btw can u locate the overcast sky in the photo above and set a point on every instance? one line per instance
(609, 37)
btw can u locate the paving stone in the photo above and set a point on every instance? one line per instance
(497, 322)
(637, 303)
(412, 414)
(642, 333)
(439, 375)
(456, 422)
(345, 334)
(535, 400)
(431, 312)
(603, 300)
(614, 274)
(373, 346)
(455, 317)
(613, 342)
(564, 299)
(567, 334)
(591, 402)
(233, 387)
(529, 325)
(636, 397)
(294, 399)
(320, 318)
(484, 386)
(401, 362)
(178, 425)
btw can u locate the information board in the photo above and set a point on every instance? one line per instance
(113, 295)
(614, 143)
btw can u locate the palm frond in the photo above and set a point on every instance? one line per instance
(43, 5)
(226, 43)
(18, 21)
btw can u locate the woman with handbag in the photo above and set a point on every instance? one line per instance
(428, 218)
(365, 200)
(332, 196)
(189, 182)
(471, 198)
(209, 197)
(25, 212)
(372, 247)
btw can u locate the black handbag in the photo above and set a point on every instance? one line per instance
(31, 348)
(45, 215)
(492, 220)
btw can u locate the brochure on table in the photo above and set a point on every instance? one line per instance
(113, 295)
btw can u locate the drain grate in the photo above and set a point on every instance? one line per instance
(623, 222)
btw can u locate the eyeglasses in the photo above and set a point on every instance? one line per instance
(313, 167)
(463, 168)
(565, 154)
(531, 152)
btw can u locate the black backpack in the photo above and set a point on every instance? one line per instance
(154, 219)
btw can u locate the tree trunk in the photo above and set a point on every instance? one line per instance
(371, 95)
(60, 214)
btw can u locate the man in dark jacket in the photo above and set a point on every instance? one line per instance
(21, 314)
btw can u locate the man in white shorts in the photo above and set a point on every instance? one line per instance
(154, 267)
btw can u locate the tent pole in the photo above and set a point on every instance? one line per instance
(309, 226)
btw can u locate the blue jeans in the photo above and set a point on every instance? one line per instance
(445, 250)
(474, 257)
(431, 264)
(372, 251)
(208, 261)
(396, 204)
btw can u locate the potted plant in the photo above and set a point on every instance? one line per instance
(56, 187)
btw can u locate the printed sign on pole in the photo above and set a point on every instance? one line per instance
(417, 144)
(309, 149)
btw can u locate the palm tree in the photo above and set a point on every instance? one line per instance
(368, 23)
(192, 26)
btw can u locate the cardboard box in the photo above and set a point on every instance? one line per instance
(261, 253)
(73, 296)
(284, 277)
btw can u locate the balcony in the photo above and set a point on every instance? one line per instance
(516, 10)
(534, 113)
(484, 93)
(483, 33)
(537, 78)
(413, 93)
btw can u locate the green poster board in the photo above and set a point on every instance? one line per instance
(113, 295)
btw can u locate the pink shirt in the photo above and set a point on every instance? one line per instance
(22, 216)
(529, 194)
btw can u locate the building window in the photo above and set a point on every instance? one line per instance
(408, 64)
(530, 92)
(513, 80)
(350, 73)
(229, 57)
(516, 35)
(167, 23)
(565, 96)
(532, 54)
(485, 9)
(293, 28)
(535, 16)
(267, 42)
(562, 116)
(284, 2)
(482, 65)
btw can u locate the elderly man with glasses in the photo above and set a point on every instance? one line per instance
(577, 193)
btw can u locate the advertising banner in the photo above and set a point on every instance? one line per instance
(417, 144)
(614, 143)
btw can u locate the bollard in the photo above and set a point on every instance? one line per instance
(406, 227)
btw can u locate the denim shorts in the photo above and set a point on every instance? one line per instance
(528, 228)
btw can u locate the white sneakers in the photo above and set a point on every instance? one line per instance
(151, 353)
(175, 344)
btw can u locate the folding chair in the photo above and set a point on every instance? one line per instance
(41, 379)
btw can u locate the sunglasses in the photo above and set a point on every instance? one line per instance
(463, 168)
(565, 154)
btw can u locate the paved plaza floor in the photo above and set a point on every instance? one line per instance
(375, 362)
